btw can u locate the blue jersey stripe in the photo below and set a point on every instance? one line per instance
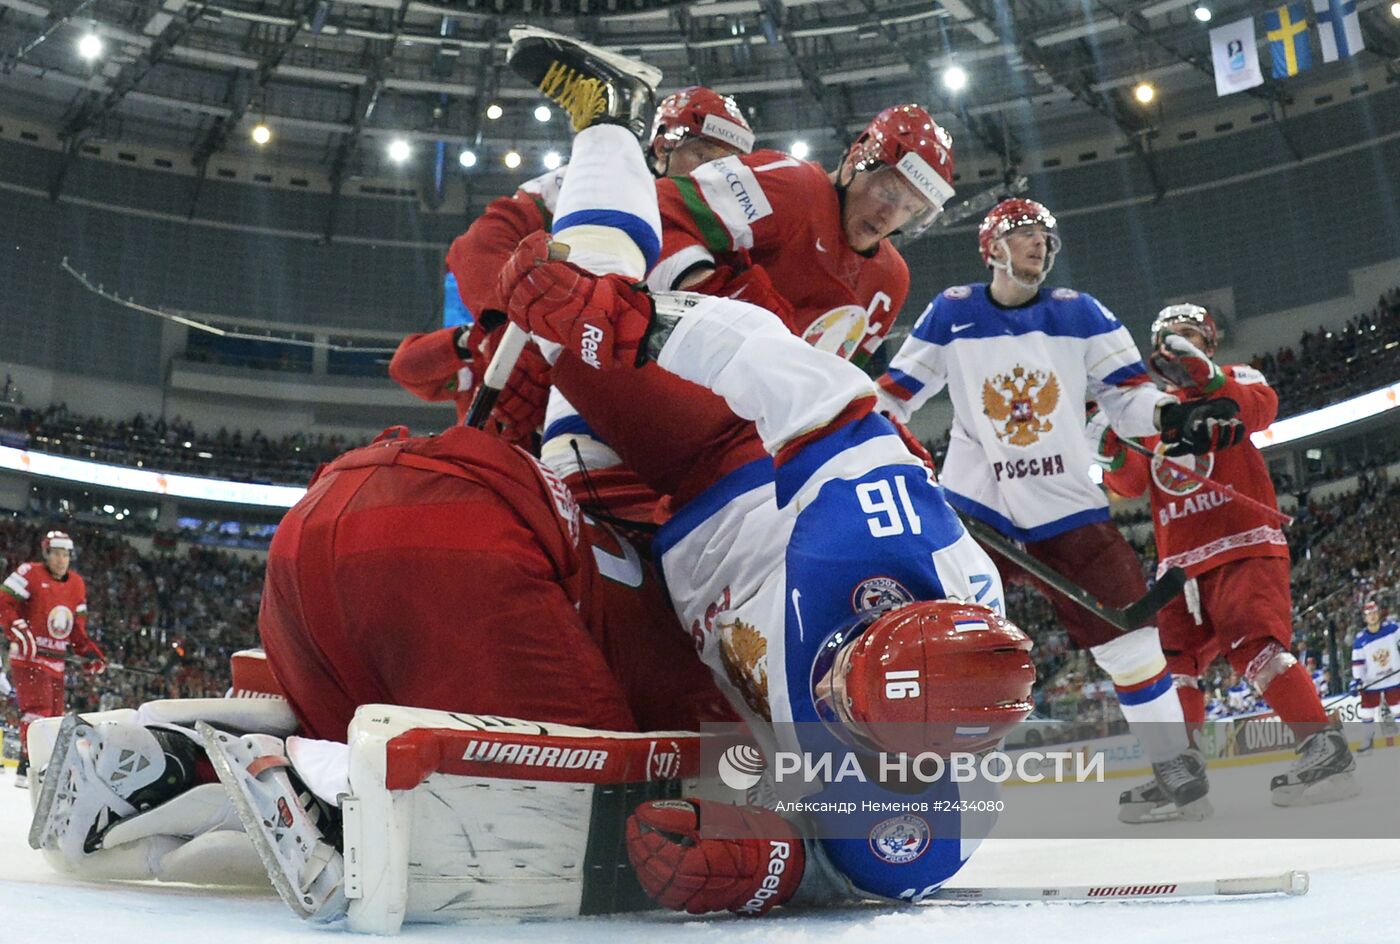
(1141, 696)
(976, 316)
(746, 478)
(1039, 533)
(572, 425)
(904, 380)
(640, 231)
(1124, 374)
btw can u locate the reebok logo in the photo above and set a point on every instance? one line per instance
(533, 755)
(588, 346)
(778, 853)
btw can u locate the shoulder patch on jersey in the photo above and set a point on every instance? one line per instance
(24, 568)
(900, 840)
(1245, 374)
(1064, 294)
(958, 291)
(874, 592)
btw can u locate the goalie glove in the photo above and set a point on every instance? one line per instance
(1182, 364)
(700, 856)
(1196, 427)
(601, 319)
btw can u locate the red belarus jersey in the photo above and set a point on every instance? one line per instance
(785, 214)
(476, 257)
(56, 610)
(1198, 529)
(430, 367)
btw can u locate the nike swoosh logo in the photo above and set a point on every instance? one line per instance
(956, 328)
(820, 247)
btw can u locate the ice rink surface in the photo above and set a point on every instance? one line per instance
(1354, 885)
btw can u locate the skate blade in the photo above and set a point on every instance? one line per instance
(41, 827)
(1333, 789)
(648, 73)
(306, 906)
(1138, 814)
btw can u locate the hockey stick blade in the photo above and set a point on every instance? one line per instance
(1294, 882)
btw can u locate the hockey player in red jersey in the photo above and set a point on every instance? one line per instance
(44, 611)
(690, 127)
(1238, 602)
(457, 573)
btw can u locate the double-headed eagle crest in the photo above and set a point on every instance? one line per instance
(1013, 400)
(744, 653)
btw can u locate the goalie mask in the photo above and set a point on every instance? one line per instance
(700, 112)
(938, 676)
(906, 138)
(1187, 316)
(1008, 216)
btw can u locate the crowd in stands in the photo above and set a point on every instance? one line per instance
(171, 445)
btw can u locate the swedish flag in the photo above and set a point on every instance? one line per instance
(1287, 31)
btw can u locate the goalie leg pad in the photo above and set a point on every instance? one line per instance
(282, 821)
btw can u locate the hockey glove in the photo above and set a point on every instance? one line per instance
(1108, 450)
(519, 409)
(1182, 364)
(700, 856)
(601, 319)
(22, 638)
(1197, 427)
(97, 663)
(747, 283)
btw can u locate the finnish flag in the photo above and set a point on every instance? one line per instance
(1339, 29)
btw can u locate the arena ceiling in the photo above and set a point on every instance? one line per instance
(336, 81)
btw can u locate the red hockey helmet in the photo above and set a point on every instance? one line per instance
(1185, 315)
(701, 112)
(59, 539)
(907, 138)
(1010, 215)
(936, 676)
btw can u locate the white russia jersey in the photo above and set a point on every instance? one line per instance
(1375, 656)
(1019, 379)
(546, 187)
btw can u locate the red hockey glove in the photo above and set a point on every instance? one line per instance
(97, 663)
(1182, 364)
(911, 442)
(22, 638)
(700, 856)
(601, 319)
(1197, 427)
(519, 409)
(1109, 452)
(752, 285)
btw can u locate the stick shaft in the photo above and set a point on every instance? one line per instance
(1289, 883)
(497, 373)
(1211, 484)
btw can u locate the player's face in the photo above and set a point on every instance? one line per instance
(1373, 618)
(57, 560)
(694, 151)
(1029, 249)
(877, 203)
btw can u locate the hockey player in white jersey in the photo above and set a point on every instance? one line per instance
(1375, 665)
(1020, 360)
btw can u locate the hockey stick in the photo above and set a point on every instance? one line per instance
(77, 663)
(1293, 882)
(1220, 487)
(1137, 614)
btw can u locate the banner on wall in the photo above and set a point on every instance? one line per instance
(1235, 57)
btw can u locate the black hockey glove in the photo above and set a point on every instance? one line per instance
(1197, 427)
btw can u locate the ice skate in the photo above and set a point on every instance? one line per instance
(283, 820)
(99, 775)
(22, 774)
(1325, 772)
(592, 85)
(1178, 792)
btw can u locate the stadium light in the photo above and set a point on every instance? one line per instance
(955, 78)
(542, 113)
(512, 159)
(399, 151)
(1202, 13)
(90, 46)
(1395, 10)
(1144, 92)
(799, 150)
(494, 111)
(467, 158)
(552, 160)
(261, 134)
